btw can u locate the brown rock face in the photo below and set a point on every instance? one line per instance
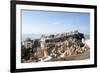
(56, 47)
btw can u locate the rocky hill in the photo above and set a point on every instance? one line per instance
(58, 47)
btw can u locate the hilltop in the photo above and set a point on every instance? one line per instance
(56, 47)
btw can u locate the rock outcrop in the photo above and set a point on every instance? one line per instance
(58, 46)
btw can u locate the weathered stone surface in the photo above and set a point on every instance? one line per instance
(58, 46)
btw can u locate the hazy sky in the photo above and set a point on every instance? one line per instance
(43, 22)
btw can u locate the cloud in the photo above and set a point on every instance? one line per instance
(56, 23)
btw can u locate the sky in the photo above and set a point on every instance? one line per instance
(51, 22)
